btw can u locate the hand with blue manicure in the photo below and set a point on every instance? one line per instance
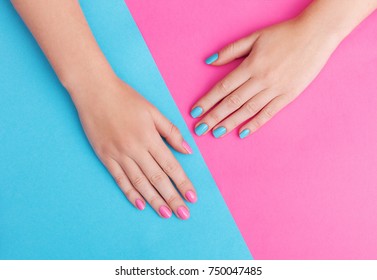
(279, 62)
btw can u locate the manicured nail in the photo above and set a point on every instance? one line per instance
(186, 146)
(212, 58)
(196, 112)
(218, 132)
(183, 213)
(244, 133)
(191, 196)
(165, 212)
(201, 129)
(140, 204)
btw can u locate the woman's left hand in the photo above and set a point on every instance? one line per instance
(281, 61)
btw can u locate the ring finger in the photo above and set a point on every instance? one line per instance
(162, 183)
(142, 184)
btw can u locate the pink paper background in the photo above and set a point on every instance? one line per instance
(304, 186)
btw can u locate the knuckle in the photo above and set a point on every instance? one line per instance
(102, 150)
(119, 179)
(257, 123)
(251, 107)
(268, 113)
(231, 48)
(266, 77)
(140, 181)
(213, 117)
(128, 193)
(173, 198)
(171, 167)
(173, 130)
(224, 86)
(124, 149)
(234, 101)
(183, 183)
(154, 200)
(157, 178)
(233, 123)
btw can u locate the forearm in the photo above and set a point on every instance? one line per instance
(336, 18)
(62, 32)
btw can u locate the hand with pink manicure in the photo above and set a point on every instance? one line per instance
(124, 129)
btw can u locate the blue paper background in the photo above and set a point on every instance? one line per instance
(57, 201)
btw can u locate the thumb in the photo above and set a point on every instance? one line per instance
(171, 133)
(237, 49)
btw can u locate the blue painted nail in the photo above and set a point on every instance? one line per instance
(196, 112)
(244, 133)
(218, 132)
(201, 129)
(212, 58)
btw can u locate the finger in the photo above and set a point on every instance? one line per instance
(124, 184)
(223, 88)
(171, 133)
(270, 110)
(234, 50)
(173, 169)
(162, 183)
(229, 105)
(249, 109)
(142, 184)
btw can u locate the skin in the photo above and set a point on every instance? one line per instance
(124, 129)
(280, 61)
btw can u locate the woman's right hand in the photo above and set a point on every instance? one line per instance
(125, 131)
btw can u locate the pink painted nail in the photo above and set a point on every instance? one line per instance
(183, 213)
(191, 196)
(140, 204)
(187, 147)
(165, 212)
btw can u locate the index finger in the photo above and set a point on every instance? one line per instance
(223, 88)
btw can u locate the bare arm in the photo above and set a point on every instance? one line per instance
(62, 32)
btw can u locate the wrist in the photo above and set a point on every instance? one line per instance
(86, 85)
(319, 29)
(336, 19)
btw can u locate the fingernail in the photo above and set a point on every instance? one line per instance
(186, 146)
(244, 133)
(218, 132)
(191, 196)
(212, 58)
(201, 129)
(140, 204)
(183, 213)
(196, 112)
(165, 212)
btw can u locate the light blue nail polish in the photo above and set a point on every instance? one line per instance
(244, 133)
(218, 132)
(212, 58)
(201, 129)
(196, 112)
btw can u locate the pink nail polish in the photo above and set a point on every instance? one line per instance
(165, 212)
(191, 196)
(187, 147)
(139, 204)
(183, 213)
